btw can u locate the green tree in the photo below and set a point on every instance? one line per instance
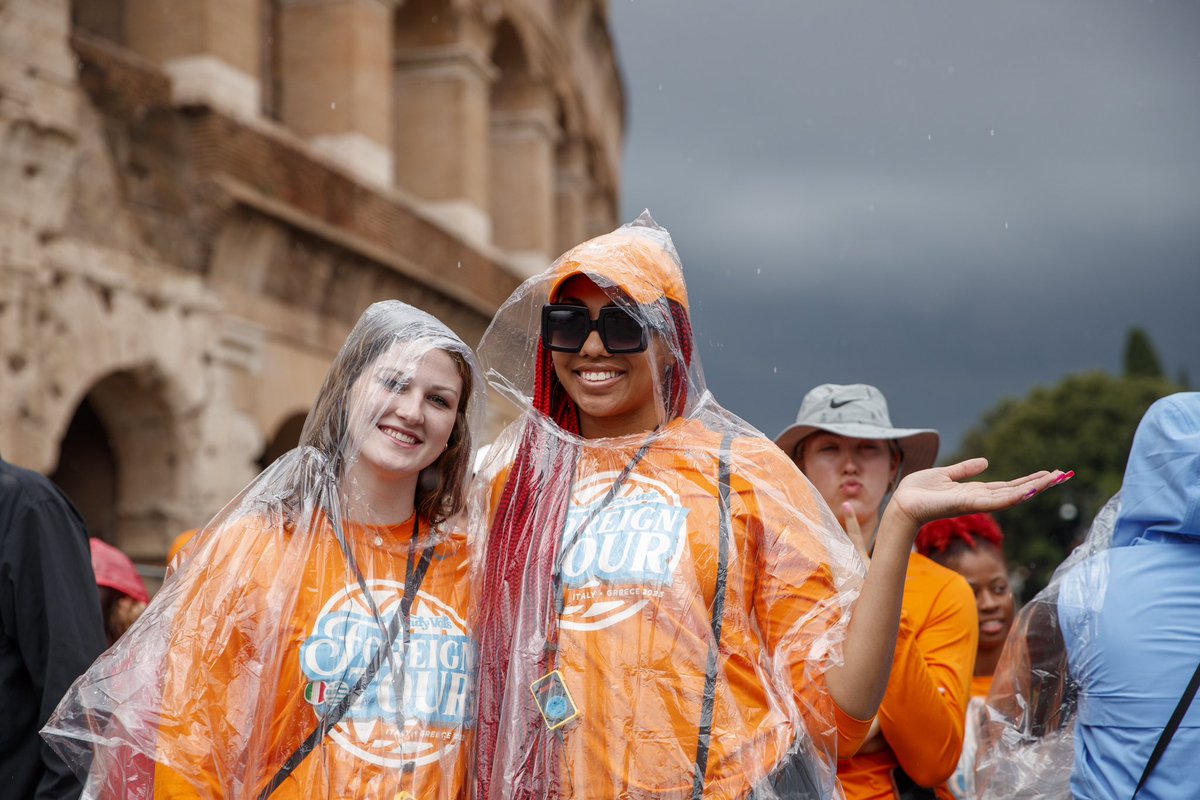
(1085, 423)
(1141, 359)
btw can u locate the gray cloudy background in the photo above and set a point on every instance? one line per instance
(955, 201)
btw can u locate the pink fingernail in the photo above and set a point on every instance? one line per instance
(1029, 494)
(1066, 476)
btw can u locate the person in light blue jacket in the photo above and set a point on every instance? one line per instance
(1133, 656)
(1097, 663)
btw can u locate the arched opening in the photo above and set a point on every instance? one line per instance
(87, 472)
(286, 437)
(118, 461)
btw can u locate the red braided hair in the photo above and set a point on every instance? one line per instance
(522, 548)
(937, 537)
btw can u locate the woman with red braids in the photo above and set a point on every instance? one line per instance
(973, 546)
(665, 600)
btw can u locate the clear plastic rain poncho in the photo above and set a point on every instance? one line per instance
(1096, 664)
(261, 669)
(658, 608)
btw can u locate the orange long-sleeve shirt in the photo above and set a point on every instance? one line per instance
(922, 714)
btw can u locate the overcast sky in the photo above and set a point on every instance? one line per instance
(955, 201)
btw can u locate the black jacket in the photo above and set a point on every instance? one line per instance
(50, 627)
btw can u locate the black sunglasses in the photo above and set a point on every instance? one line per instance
(565, 328)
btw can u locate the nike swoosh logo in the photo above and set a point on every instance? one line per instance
(839, 404)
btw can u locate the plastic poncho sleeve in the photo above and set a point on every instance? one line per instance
(206, 714)
(785, 608)
(798, 618)
(923, 712)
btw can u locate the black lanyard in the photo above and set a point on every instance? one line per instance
(724, 536)
(559, 589)
(413, 578)
(1172, 725)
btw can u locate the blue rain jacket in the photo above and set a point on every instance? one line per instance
(1130, 618)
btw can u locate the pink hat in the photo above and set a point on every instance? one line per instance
(114, 570)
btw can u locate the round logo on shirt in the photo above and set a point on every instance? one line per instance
(414, 710)
(626, 553)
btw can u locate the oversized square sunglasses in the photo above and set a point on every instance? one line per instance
(565, 328)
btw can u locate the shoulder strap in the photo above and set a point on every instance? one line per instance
(398, 623)
(1169, 731)
(724, 534)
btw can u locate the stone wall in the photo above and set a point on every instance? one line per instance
(188, 232)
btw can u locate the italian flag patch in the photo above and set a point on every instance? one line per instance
(323, 692)
(317, 692)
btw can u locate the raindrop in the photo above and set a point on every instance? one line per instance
(1068, 512)
(931, 137)
(1006, 226)
(333, 105)
(660, 87)
(758, 271)
(775, 370)
(992, 132)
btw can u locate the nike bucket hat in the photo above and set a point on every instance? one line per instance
(860, 411)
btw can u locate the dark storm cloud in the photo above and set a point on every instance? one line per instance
(955, 201)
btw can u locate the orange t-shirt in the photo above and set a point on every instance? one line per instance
(275, 628)
(180, 542)
(922, 714)
(634, 634)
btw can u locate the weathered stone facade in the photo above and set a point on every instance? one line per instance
(200, 198)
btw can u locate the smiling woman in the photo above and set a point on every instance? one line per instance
(315, 640)
(663, 595)
(403, 421)
(609, 386)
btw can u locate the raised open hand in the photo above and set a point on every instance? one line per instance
(945, 491)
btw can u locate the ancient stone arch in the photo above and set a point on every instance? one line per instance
(285, 437)
(141, 435)
(87, 471)
(205, 196)
(155, 368)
